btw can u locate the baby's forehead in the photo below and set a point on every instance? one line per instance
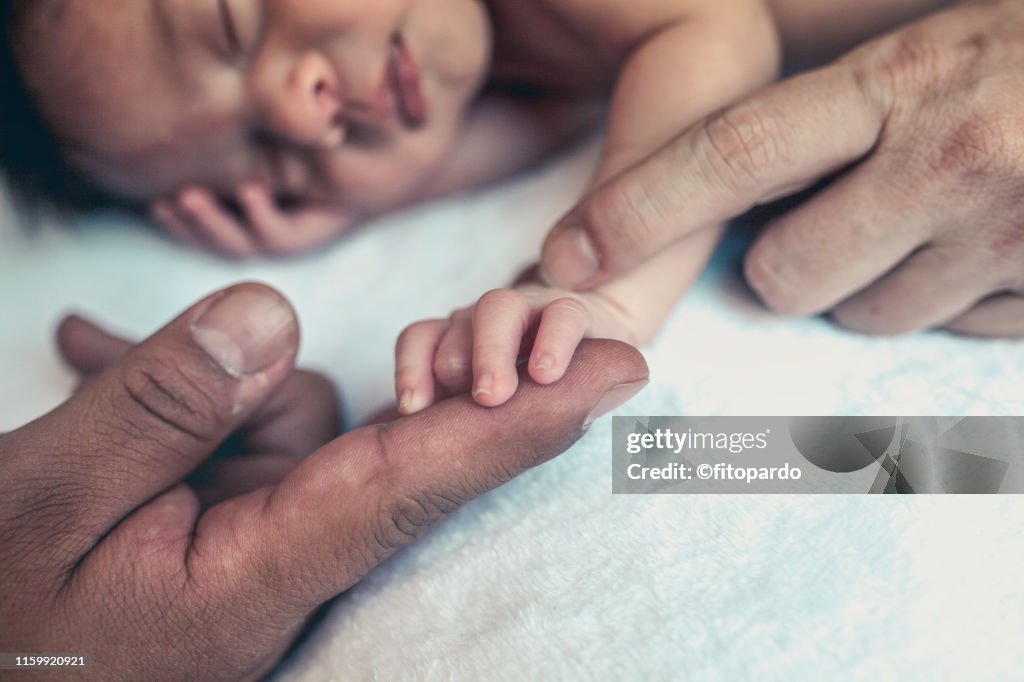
(119, 99)
(161, 169)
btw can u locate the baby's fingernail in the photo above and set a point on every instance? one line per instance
(569, 258)
(410, 402)
(614, 398)
(544, 362)
(484, 384)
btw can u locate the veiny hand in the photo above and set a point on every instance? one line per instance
(198, 218)
(479, 348)
(106, 550)
(924, 225)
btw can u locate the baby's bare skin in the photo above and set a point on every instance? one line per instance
(663, 87)
(920, 223)
(305, 100)
(668, 65)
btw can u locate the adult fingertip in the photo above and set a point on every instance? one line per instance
(69, 330)
(614, 364)
(614, 398)
(247, 329)
(569, 259)
(68, 326)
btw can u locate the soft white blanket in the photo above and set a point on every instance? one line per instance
(551, 576)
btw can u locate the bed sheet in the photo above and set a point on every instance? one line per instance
(551, 576)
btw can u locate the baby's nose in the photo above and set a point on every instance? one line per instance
(306, 108)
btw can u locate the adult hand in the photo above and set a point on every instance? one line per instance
(923, 226)
(106, 550)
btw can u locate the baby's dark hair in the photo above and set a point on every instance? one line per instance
(31, 159)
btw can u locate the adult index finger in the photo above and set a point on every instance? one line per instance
(775, 143)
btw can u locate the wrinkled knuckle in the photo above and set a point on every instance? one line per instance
(159, 394)
(912, 61)
(570, 306)
(622, 217)
(501, 301)
(402, 516)
(742, 145)
(864, 81)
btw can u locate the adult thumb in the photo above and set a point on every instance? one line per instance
(148, 420)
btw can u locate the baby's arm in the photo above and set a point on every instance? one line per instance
(694, 57)
(705, 57)
(693, 63)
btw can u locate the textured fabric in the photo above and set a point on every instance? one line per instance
(551, 576)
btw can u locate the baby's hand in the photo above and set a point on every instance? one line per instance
(198, 218)
(480, 348)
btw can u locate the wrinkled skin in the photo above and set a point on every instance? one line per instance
(112, 545)
(922, 228)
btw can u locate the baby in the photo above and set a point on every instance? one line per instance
(252, 126)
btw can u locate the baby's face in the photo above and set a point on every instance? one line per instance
(330, 102)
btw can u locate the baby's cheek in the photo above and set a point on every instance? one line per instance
(376, 181)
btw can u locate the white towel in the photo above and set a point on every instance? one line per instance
(551, 576)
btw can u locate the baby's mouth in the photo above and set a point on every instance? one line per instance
(406, 84)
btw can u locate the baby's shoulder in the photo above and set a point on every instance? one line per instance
(574, 44)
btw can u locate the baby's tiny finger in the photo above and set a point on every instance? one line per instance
(562, 326)
(452, 367)
(268, 222)
(181, 229)
(414, 364)
(220, 228)
(500, 319)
